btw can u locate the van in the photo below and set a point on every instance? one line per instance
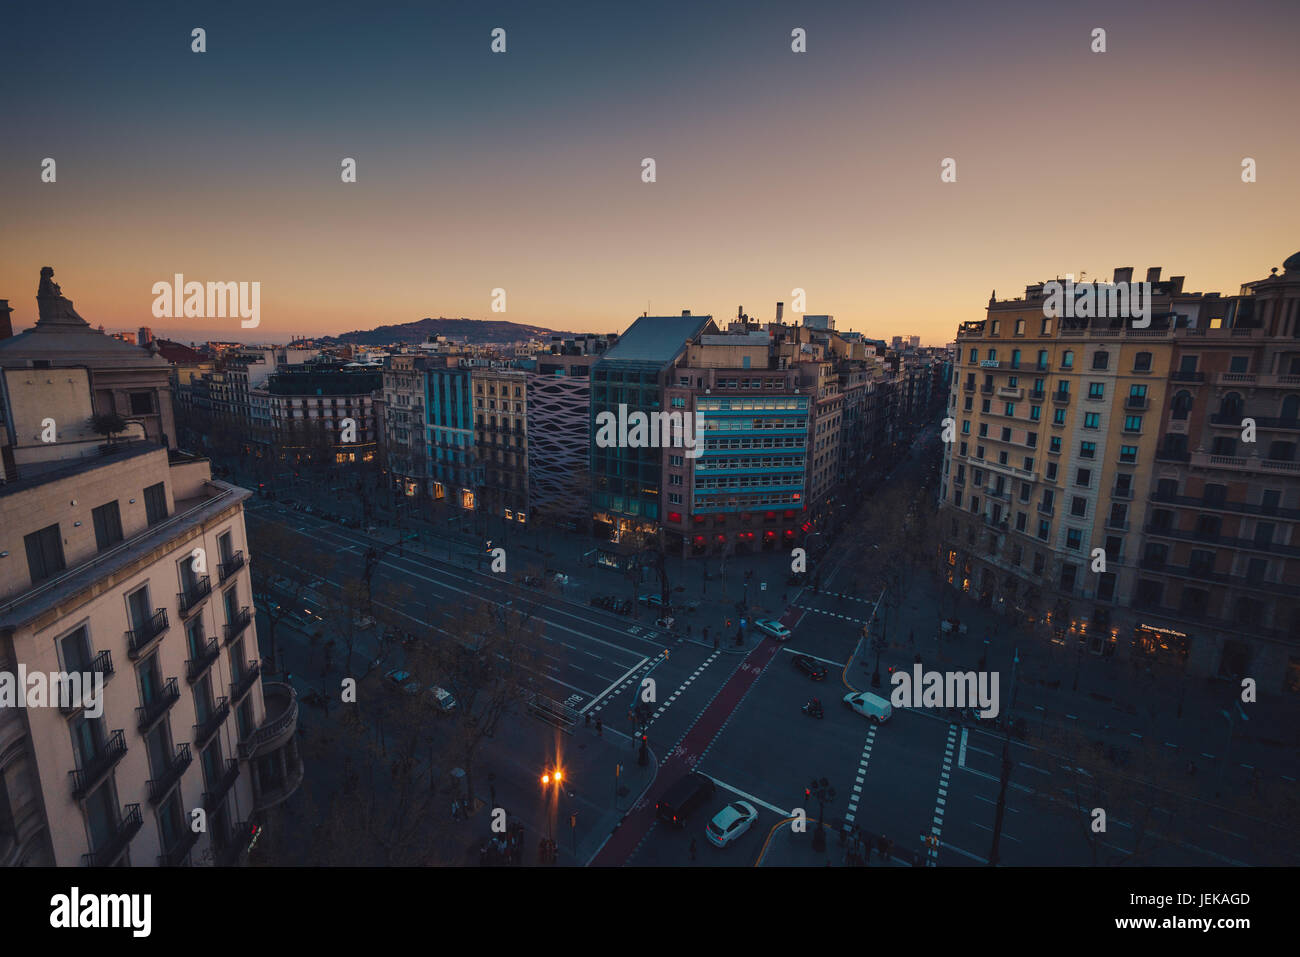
(680, 800)
(869, 705)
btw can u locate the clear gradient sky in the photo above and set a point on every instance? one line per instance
(523, 170)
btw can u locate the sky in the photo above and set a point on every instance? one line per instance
(522, 170)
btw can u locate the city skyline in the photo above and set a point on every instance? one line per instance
(479, 171)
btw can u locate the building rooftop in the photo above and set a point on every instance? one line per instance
(657, 338)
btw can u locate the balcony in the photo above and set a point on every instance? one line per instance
(212, 799)
(1119, 525)
(245, 682)
(1125, 493)
(1238, 463)
(1135, 402)
(231, 565)
(160, 787)
(1010, 392)
(969, 387)
(232, 853)
(237, 625)
(1180, 376)
(92, 772)
(1061, 398)
(280, 724)
(138, 640)
(987, 388)
(127, 827)
(148, 714)
(195, 668)
(204, 731)
(176, 855)
(101, 664)
(191, 598)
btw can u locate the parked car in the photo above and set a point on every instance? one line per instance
(731, 822)
(871, 706)
(399, 680)
(653, 601)
(774, 628)
(809, 666)
(442, 699)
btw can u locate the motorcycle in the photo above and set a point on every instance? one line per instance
(813, 709)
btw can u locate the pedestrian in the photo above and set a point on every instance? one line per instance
(692, 850)
(882, 845)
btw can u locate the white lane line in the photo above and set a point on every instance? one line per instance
(961, 756)
(615, 685)
(748, 797)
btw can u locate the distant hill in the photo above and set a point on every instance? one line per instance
(460, 330)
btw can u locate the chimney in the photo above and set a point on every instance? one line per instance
(1153, 274)
(780, 311)
(1123, 274)
(1175, 285)
(686, 312)
(6, 326)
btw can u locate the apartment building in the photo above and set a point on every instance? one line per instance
(501, 440)
(406, 451)
(1098, 482)
(126, 562)
(323, 410)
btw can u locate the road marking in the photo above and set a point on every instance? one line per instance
(852, 810)
(748, 797)
(961, 756)
(825, 661)
(932, 852)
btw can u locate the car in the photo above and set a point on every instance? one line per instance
(559, 578)
(774, 628)
(654, 601)
(666, 622)
(442, 699)
(399, 680)
(681, 800)
(808, 666)
(869, 705)
(731, 822)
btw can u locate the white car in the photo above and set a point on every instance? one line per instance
(442, 699)
(731, 822)
(869, 705)
(774, 628)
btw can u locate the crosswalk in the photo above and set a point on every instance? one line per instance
(856, 795)
(941, 801)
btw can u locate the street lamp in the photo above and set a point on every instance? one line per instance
(551, 782)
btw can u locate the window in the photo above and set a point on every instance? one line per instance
(1058, 417)
(1029, 463)
(1042, 359)
(1100, 360)
(1044, 530)
(108, 525)
(1051, 471)
(1182, 405)
(985, 405)
(155, 503)
(1020, 327)
(1067, 359)
(1056, 444)
(1031, 439)
(956, 497)
(1002, 456)
(1021, 519)
(1073, 539)
(1239, 364)
(979, 452)
(1015, 358)
(141, 403)
(1128, 454)
(1067, 577)
(1083, 477)
(965, 426)
(1087, 450)
(44, 552)
(970, 404)
(1092, 420)
(76, 651)
(1096, 390)
(1025, 490)
(993, 353)
(1142, 362)
(1223, 445)
(984, 428)
(1049, 500)
(1006, 434)
(974, 356)
(1010, 409)
(1035, 413)
(1132, 423)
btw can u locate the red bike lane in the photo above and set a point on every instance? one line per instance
(634, 827)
